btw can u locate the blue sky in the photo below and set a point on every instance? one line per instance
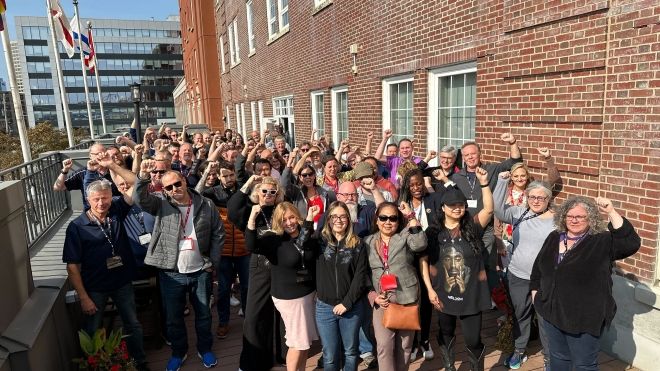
(113, 9)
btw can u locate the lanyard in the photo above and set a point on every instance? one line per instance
(522, 219)
(98, 223)
(266, 220)
(184, 222)
(472, 183)
(564, 238)
(386, 254)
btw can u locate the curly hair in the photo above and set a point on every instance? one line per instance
(405, 195)
(596, 224)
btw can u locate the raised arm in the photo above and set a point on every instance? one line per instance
(387, 134)
(486, 196)
(342, 147)
(514, 151)
(367, 146)
(59, 182)
(141, 195)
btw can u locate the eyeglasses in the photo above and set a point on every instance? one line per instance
(455, 206)
(537, 198)
(271, 192)
(171, 186)
(577, 218)
(348, 195)
(391, 218)
(307, 175)
(334, 218)
(304, 149)
(161, 172)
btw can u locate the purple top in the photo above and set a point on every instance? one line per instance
(392, 165)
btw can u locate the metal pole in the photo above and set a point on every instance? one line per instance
(84, 71)
(4, 110)
(138, 129)
(60, 77)
(18, 109)
(98, 82)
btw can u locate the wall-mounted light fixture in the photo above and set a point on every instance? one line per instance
(354, 51)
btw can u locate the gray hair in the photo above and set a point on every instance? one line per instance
(537, 184)
(449, 149)
(98, 186)
(596, 224)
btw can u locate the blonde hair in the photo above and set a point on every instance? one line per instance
(405, 167)
(254, 195)
(350, 239)
(278, 216)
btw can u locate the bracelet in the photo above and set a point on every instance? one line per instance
(514, 142)
(483, 185)
(411, 215)
(64, 172)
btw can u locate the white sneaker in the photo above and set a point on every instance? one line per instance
(234, 302)
(427, 351)
(240, 312)
(413, 354)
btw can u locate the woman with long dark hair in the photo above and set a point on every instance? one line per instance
(456, 264)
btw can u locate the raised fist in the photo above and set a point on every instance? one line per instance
(67, 164)
(508, 138)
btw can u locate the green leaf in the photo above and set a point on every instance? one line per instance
(85, 343)
(99, 339)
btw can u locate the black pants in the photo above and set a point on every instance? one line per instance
(471, 325)
(425, 313)
(257, 353)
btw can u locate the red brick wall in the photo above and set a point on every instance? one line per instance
(580, 77)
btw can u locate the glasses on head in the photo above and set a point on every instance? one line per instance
(391, 218)
(334, 218)
(171, 186)
(577, 218)
(537, 198)
(307, 175)
(161, 172)
(348, 195)
(271, 192)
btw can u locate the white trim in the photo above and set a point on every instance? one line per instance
(432, 104)
(333, 112)
(280, 12)
(249, 15)
(228, 118)
(387, 124)
(253, 115)
(222, 53)
(262, 123)
(315, 123)
(270, 19)
(234, 50)
(238, 118)
(286, 99)
(243, 130)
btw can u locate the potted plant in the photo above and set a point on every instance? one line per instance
(104, 353)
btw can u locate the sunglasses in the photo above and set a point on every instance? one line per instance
(171, 186)
(271, 192)
(307, 175)
(391, 218)
(161, 172)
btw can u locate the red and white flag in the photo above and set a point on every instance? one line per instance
(62, 27)
(90, 59)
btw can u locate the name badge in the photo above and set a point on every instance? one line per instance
(186, 243)
(113, 262)
(472, 204)
(145, 239)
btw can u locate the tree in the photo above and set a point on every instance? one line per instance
(43, 137)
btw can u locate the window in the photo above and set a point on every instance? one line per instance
(250, 26)
(253, 115)
(318, 119)
(262, 124)
(452, 105)
(339, 112)
(228, 119)
(238, 120)
(222, 53)
(398, 107)
(233, 43)
(283, 106)
(243, 129)
(278, 17)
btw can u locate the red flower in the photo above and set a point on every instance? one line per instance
(91, 360)
(115, 368)
(124, 356)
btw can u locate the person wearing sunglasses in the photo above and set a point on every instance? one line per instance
(306, 193)
(571, 280)
(258, 326)
(186, 242)
(289, 248)
(391, 248)
(455, 276)
(530, 224)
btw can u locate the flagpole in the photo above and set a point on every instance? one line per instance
(18, 108)
(84, 71)
(98, 82)
(60, 77)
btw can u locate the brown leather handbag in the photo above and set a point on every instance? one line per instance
(401, 317)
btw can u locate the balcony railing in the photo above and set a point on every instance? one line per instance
(44, 205)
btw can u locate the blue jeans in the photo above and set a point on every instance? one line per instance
(124, 300)
(571, 350)
(367, 339)
(337, 330)
(174, 287)
(229, 267)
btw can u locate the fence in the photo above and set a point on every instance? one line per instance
(44, 205)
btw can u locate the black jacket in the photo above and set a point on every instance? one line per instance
(576, 294)
(341, 273)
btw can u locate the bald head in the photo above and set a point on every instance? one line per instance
(347, 193)
(95, 149)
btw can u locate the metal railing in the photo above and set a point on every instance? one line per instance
(82, 145)
(44, 205)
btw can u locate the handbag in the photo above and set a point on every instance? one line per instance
(388, 282)
(401, 317)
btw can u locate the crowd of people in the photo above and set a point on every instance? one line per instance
(357, 248)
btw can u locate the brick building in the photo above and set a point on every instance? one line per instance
(581, 77)
(199, 101)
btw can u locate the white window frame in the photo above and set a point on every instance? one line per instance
(228, 117)
(243, 129)
(277, 18)
(272, 18)
(315, 109)
(288, 108)
(387, 124)
(222, 53)
(333, 111)
(238, 118)
(249, 15)
(262, 123)
(234, 51)
(253, 115)
(280, 12)
(433, 88)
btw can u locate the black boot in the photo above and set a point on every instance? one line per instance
(476, 361)
(447, 354)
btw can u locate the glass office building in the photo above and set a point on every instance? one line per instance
(148, 52)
